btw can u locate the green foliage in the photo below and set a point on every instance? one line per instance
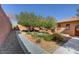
(48, 37)
(39, 36)
(57, 37)
(44, 36)
(30, 19)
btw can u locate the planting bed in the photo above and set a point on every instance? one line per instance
(43, 40)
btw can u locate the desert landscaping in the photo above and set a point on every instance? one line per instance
(42, 33)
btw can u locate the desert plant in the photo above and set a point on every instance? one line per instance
(57, 37)
(38, 41)
(48, 37)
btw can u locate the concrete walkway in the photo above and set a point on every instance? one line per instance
(71, 47)
(11, 45)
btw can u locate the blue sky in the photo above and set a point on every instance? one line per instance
(59, 11)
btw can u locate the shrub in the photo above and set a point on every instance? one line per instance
(28, 32)
(38, 40)
(57, 37)
(44, 36)
(47, 37)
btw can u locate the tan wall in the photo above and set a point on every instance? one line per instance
(71, 31)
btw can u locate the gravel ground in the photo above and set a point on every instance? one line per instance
(11, 45)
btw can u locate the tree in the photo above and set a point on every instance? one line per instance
(51, 22)
(30, 19)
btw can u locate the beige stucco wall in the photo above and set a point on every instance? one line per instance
(71, 31)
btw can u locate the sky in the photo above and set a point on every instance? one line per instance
(59, 11)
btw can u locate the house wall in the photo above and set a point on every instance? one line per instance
(5, 25)
(70, 31)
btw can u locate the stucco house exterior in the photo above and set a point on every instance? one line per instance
(5, 25)
(70, 26)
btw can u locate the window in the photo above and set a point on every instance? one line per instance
(67, 26)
